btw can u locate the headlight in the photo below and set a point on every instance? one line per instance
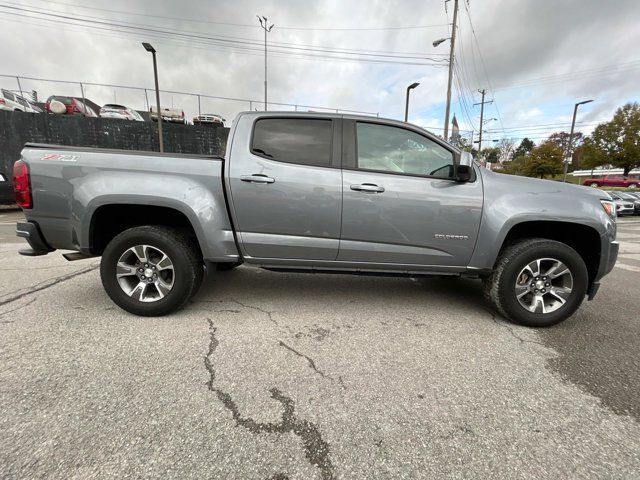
(609, 207)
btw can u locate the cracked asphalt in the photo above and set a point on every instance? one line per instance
(293, 376)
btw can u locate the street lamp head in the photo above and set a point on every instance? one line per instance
(270, 27)
(583, 102)
(412, 86)
(148, 47)
(438, 42)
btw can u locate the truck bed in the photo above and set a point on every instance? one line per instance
(71, 184)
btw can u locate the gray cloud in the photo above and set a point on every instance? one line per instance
(520, 41)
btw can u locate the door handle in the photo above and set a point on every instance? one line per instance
(367, 188)
(257, 178)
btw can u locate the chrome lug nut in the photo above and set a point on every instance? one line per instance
(547, 284)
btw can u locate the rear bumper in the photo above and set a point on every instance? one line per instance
(31, 232)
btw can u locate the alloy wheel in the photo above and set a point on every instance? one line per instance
(544, 285)
(145, 273)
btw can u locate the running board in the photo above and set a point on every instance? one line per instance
(73, 256)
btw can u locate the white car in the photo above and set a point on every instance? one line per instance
(12, 102)
(112, 110)
(209, 119)
(172, 115)
(623, 206)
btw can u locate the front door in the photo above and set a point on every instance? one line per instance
(401, 202)
(286, 187)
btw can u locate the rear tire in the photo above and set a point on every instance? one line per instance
(510, 287)
(165, 252)
(594, 185)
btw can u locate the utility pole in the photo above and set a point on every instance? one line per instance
(451, 54)
(573, 125)
(266, 30)
(483, 93)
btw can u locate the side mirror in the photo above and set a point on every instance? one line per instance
(463, 173)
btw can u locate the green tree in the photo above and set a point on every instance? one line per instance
(491, 154)
(562, 139)
(616, 142)
(524, 148)
(515, 166)
(545, 159)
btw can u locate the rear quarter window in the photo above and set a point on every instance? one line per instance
(8, 95)
(305, 141)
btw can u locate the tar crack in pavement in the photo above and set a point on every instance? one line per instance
(316, 449)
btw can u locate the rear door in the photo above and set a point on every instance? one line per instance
(286, 186)
(401, 203)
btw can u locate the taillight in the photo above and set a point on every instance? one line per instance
(22, 184)
(2, 102)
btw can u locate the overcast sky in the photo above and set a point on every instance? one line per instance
(535, 58)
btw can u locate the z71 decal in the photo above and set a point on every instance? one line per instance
(60, 158)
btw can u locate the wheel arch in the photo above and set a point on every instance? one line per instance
(583, 239)
(110, 219)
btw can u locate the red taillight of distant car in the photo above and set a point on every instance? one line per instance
(2, 102)
(22, 184)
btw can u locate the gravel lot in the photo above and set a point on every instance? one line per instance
(268, 375)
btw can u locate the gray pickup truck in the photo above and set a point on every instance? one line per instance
(317, 193)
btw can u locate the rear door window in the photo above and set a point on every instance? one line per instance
(305, 141)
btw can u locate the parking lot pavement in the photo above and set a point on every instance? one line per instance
(268, 375)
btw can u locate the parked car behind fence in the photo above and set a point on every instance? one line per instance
(12, 102)
(69, 105)
(209, 119)
(112, 110)
(172, 115)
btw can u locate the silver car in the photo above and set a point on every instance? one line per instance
(112, 110)
(624, 206)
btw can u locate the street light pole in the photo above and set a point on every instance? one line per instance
(573, 125)
(149, 48)
(266, 30)
(406, 103)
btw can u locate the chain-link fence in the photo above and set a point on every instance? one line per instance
(140, 98)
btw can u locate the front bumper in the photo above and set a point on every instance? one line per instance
(31, 232)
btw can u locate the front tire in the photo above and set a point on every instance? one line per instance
(537, 282)
(151, 271)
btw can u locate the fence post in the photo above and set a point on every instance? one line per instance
(199, 112)
(296, 108)
(250, 106)
(146, 99)
(84, 104)
(19, 86)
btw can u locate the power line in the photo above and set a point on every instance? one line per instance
(218, 39)
(587, 73)
(245, 25)
(247, 44)
(484, 66)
